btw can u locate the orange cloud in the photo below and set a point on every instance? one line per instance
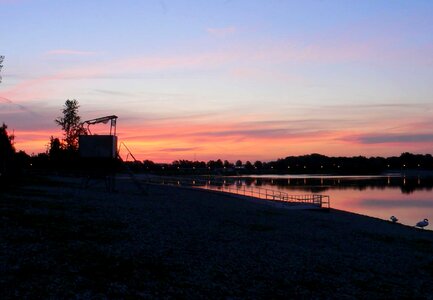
(230, 140)
(35, 141)
(164, 142)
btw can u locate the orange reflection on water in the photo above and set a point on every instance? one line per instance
(380, 201)
(384, 203)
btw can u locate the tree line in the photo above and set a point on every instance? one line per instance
(63, 154)
(12, 162)
(304, 164)
(60, 153)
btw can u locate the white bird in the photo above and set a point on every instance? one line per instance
(393, 219)
(422, 224)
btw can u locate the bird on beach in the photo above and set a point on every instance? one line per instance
(422, 224)
(393, 219)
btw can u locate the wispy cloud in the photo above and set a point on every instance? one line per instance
(251, 133)
(239, 62)
(392, 138)
(253, 57)
(179, 149)
(221, 32)
(70, 52)
(21, 107)
(115, 93)
(200, 129)
(378, 105)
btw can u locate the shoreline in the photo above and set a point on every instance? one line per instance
(189, 243)
(276, 203)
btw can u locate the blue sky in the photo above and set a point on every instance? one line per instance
(226, 79)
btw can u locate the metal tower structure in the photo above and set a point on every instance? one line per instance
(98, 153)
(112, 119)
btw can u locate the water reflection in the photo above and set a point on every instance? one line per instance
(407, 185)
(408, 198)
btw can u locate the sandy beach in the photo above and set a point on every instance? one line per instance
(61, 241)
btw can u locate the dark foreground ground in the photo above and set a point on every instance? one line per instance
(60, 241)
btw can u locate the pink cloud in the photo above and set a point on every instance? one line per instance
(39, 87)
(29, 89)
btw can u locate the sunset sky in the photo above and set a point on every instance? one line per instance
(250, 80)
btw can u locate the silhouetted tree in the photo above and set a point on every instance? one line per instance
(248, 165)
(148, 165)
(21, 161)
(239, 163)
(7, 149)
(71, 124)
(210, 164)
(258, 164)
(227, 164)
(219, 163)
(11, 163)
(55, 148)
(200, 164)
(6, 142)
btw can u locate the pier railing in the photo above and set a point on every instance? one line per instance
(268, 194)
(220, 185)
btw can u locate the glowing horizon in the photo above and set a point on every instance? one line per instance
(231, 80)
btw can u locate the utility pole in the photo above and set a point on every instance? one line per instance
(1, 66)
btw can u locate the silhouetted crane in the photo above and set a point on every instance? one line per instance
(103, 120)
(116, 155)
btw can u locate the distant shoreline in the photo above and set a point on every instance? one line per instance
(409, 173)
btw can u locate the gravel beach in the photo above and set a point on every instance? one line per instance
(61, 241)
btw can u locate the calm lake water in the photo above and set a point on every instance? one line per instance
(410, 199)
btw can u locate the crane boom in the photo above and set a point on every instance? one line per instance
(104, 120)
